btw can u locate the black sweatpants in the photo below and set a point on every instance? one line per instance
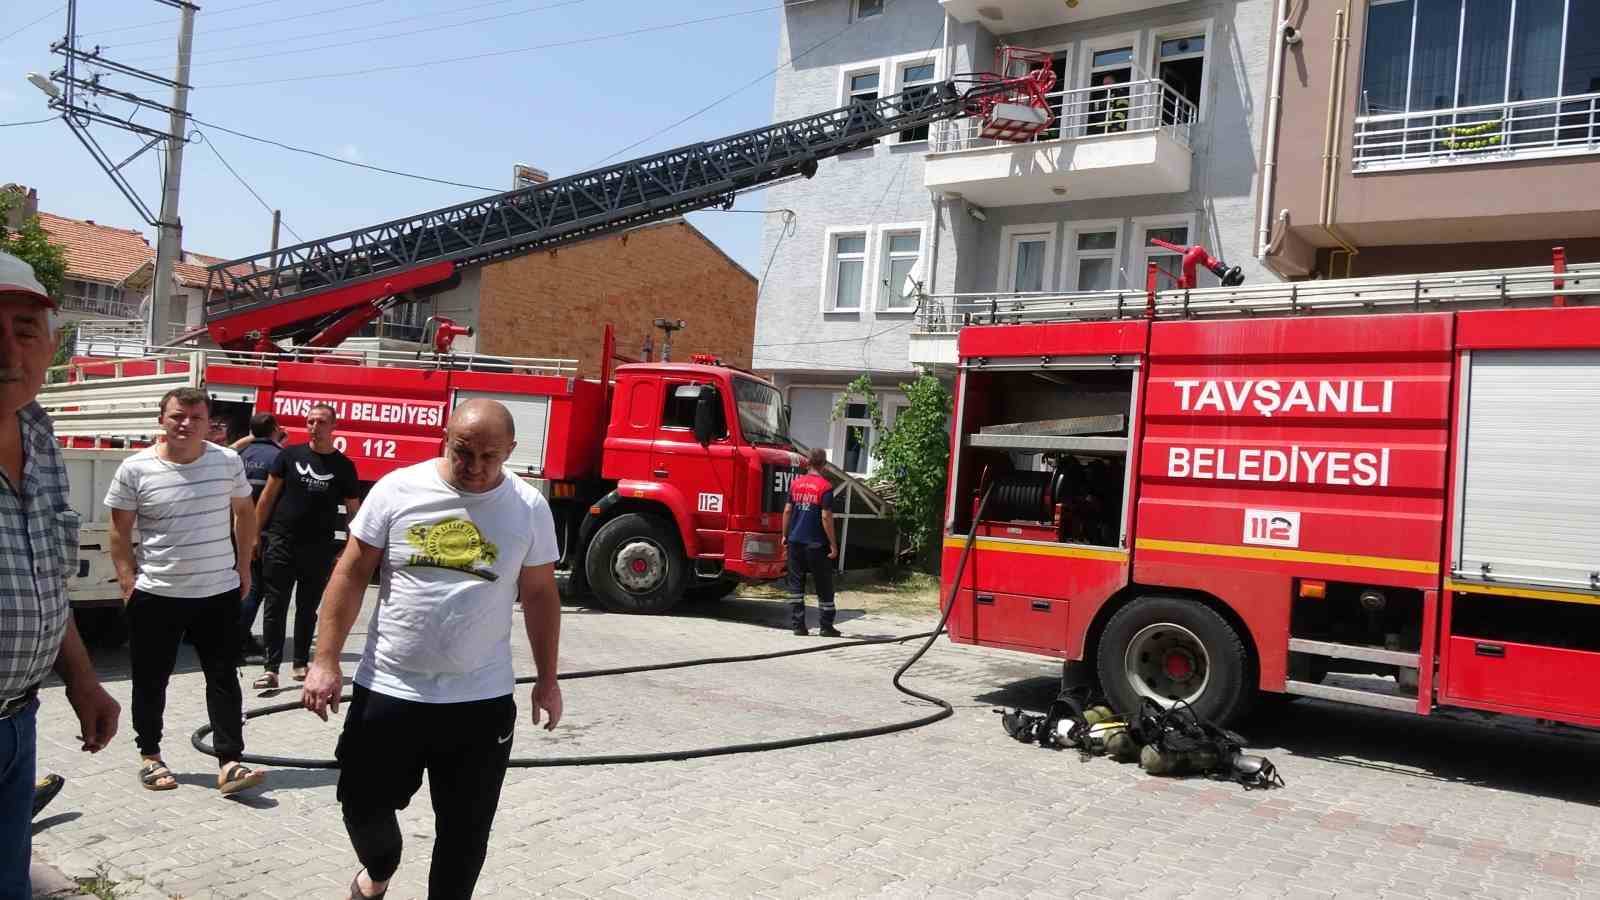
(812, 558)
(155, 629)
(300, 569)
(387, 744)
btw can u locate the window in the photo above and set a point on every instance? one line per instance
(1174, 230)
(1107, 102)
(678, 412)
(96, 298)
(1028, 263)
(852, 439)
(1181, 66)
(847, 271)
(917, 84)
(1425, 60)
(866, 9)
(901, 249)
(1096, 254)
(863, 87)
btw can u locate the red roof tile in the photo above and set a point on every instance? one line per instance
(97, 252)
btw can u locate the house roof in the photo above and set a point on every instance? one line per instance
(97, 252)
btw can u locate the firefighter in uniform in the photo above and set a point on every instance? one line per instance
(809, 536)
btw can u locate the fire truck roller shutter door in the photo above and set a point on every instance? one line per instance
(531, 413)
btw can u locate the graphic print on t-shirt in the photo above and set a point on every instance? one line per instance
(453, 543)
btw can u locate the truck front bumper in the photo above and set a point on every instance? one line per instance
(760, 556)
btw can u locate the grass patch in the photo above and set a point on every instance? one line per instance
(99, 884)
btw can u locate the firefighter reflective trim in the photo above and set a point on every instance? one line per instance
(1330, 559)
(1037, 549)
(1467, 587)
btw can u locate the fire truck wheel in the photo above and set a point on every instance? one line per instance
(1171, 649)
(635, 565)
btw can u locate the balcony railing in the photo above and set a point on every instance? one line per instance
(1137, 106)
(1479, 134)
(94, 306)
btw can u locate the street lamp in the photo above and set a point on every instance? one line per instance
(44, 84)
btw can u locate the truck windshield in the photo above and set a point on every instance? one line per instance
(760, 412)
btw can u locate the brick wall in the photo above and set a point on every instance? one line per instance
(556, 304)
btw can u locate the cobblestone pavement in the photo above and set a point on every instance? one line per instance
(1377, 804)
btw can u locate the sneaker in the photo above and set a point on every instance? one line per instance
(802, 631)
(829, 631)
(46, 790)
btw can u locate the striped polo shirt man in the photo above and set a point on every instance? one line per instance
(184, 519)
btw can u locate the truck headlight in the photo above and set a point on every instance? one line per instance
(762, 546)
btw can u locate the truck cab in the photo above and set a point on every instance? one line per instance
(699, 458)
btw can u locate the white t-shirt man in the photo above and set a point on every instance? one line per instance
(185, 520)
(442, 630)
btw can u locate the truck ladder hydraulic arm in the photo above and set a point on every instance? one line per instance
(321, 291)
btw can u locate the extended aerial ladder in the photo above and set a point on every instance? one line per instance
(319, 292)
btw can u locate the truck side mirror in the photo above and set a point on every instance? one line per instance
(707, 415)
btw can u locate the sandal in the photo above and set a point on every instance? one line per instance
(267, 681)
(355, 890)
(238, 777)
(299, 673)
(152, 773)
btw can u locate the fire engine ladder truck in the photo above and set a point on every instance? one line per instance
(320, 292)
(1557, 284)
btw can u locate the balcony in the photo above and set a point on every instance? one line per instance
(1469, 135)
(75, 306)
(1120, 140)
(1011, 16)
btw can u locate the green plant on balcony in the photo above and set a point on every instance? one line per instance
(1478, 136)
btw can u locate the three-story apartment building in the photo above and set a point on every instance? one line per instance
(1158, 110)
(1435, 135)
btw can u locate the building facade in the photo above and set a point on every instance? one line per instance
(1157, 118)
(1464, 134)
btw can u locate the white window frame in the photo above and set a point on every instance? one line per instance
(887, 401)
(1091, 46)
(1069, 277)
(855, 10)
(897, 66)
(878, 67)
(1008, 238)
(880, 295)
(1181, 30)
(830, 268)
(1143, 225)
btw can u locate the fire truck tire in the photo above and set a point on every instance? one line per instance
(635, 564)
(1170, 649)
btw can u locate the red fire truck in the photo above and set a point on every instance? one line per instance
(1375, 491)
(663, 476)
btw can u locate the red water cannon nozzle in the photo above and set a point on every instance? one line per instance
(704, 359)
(446, 332)
(1231, 276)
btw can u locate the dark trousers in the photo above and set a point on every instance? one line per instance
(155, 629)
(251, 604)
(812, 558)
(387, 744)
(300, 569)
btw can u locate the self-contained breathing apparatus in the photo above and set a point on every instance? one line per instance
(1164, 741)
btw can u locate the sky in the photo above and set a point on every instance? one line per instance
(564, 109)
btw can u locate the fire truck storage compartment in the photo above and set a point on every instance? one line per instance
(1528, 532)
(1055, 444)
(531, 413)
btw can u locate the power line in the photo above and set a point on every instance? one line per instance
(280, 19)
(412, 66)
(34, 22)
(32, 122)
(347, 162)
(217, 12)
(382, 37)
(731, 94)
(240, 178)
(326, 33)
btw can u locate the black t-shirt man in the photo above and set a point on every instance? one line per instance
(314, 484)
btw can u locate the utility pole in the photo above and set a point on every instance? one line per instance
(169, 243)
(668, 326)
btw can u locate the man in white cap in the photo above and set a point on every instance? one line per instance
(38, 549)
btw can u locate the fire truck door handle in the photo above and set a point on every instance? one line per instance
(660, 473)
(1040, 605)
(986, 599)
(1498, 651)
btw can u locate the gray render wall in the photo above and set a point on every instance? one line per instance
(868, 187)
(1226, 147)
